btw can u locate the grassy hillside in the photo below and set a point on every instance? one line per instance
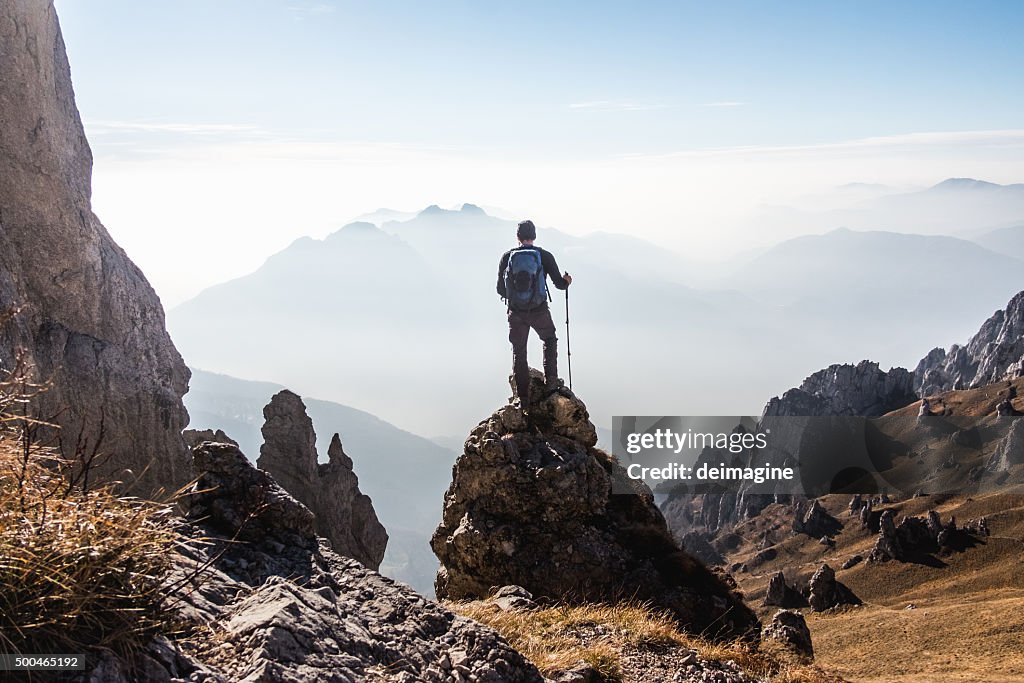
(957, 615)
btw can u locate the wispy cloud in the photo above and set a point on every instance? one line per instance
(311, 9)
(725, 103)
(908, 141)
(100, 127)
(617, 105)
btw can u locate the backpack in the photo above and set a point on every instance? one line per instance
(525, 283)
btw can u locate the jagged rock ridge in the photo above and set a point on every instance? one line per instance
(343, 514)
(89, 320)
(995, 353)
(863, 389)
(532, 505)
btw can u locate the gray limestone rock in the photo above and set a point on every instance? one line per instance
(815, 521)
(88, 318)
(827, 593)
(994, 353)
(887, 543)
(194, 437)
(781, 594)
(1010, 449)
(862, 389)
(534, 507)
(790, 628)
(267, 600)
(343, 514)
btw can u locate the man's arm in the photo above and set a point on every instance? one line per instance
(547, 260)
(502, 264)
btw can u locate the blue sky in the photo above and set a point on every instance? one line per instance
(587, 115)
(506, 76)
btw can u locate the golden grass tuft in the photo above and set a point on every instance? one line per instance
(560, 637)
(79, 569)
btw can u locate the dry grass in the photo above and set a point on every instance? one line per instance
(560, 637)
(79, 569)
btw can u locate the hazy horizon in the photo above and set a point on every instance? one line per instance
(224, 131)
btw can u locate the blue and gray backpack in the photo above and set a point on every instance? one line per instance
(525, 282)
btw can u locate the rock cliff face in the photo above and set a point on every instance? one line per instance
(343, 514)
(861, 389)
(272, 602)
(995, 353)
(532, 505)
(89, 320)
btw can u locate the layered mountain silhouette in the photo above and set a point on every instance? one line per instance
(955, 206)
(426, 289)
(425, 286)
(1008, 240)
(857, 285)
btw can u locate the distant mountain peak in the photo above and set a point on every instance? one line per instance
(965, 184)
(354, 230)
(473, 209)
(359, 226)
(433, 210)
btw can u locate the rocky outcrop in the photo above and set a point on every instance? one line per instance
(826, 592)
(995, 353)
(814, 520)
(781, 594)
(194, 437)
(913, 537)
(862, 389)
(1010, 449)
(790, 628)
(89, 321)
(269, 601)
(343, 514)
(887, 543)
(533, 505)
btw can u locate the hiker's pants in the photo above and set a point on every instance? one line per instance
(519, 324)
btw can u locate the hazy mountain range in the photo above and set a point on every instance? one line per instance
(403, 320)
(956, 206)
(1008, 240)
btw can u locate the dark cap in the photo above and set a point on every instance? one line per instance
(526, 231)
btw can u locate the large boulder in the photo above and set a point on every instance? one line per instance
(826, 592)
(533, 505)
(89, 321)
(789, 628)
(343, 514)
(995, 353)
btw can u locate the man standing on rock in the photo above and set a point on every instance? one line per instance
(522, 283)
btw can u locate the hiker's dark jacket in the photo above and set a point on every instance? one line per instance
(546, 260)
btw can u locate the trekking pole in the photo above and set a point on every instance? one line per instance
(568, 349)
